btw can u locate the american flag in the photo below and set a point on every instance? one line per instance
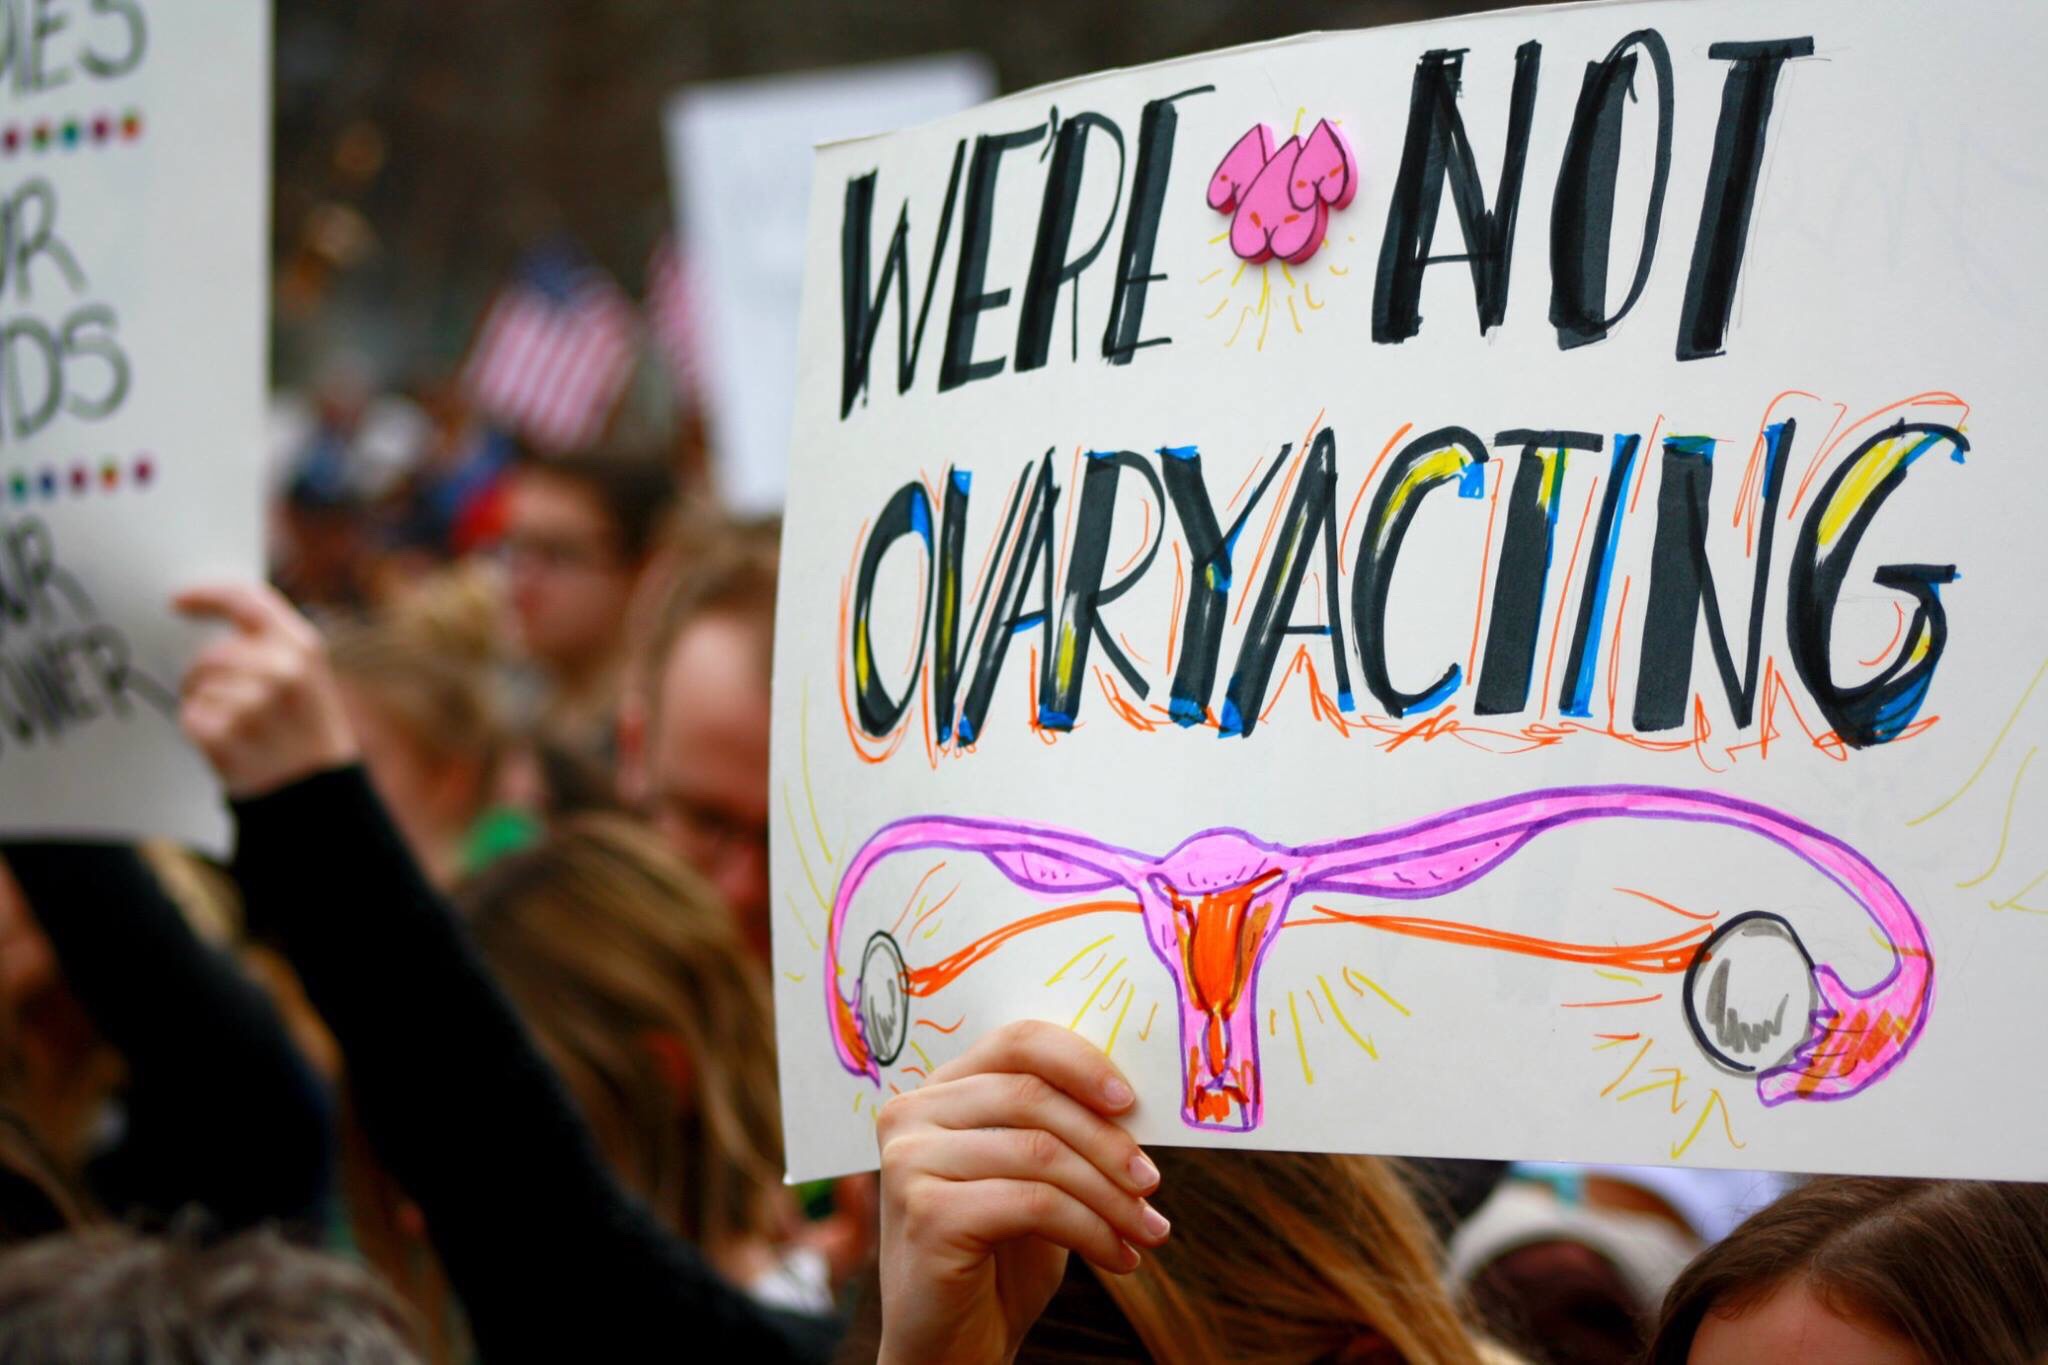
(674, 316)
(554, 352)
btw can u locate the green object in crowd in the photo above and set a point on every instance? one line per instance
(815, 1197)
(497, 832)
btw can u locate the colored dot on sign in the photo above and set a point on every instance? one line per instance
(81, 478)
(49, 482)
(42, 136)
(131, 126)
(71, 133)
(144, 469)
(110, 474)
(102, 128)
(11, 140)
(20, 486)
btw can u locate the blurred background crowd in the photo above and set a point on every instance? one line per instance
(495, 488)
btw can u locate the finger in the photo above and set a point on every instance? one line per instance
(238, 687)
(210, 721)
(218, 711)
(996, 1211)
(995, 1100)
(236, 697)
(1035, 1154)
(1064, 1058)
(229, 656)
(252, 608)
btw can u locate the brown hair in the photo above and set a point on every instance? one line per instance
(722, 570)
(636, 984)
(633, 491)
(1958, 1268)
(1275, 1257)
(1289, 1256)
(109, 1294)
(441, 700)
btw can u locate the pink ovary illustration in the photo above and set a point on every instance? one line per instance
(1280, 198)
(1239, 168)
(1327, 172)
(1212, 907)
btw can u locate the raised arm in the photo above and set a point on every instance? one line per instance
(222, 1110)
(552, 1259)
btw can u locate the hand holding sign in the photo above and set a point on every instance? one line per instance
(991, 1174)
(1630, 614)
(262, 704)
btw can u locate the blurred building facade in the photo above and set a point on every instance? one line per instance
(422, 149)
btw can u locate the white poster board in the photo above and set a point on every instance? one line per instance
(134, 159)
(733, 148)
(1399, 674)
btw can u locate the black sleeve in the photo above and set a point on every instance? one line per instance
(221, 1109)
(551, 1258)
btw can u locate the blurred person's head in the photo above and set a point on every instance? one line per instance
(429, 733)
(322, 552)
(641, 996)
(107, 1294)
(578, 529)
(56, 1071)
(1889, 1272)
(28, 965)
(1575, 1278)
(695, 750)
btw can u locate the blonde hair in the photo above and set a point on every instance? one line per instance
(456, 611)
(632, 977)
(440, 699)
(1289, 1256)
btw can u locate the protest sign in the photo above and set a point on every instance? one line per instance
(742, 226)
(1463, 589)
(134, 165)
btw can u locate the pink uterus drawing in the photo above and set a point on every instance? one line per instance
(1213, 906)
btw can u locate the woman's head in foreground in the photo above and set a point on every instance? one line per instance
(1889, 1272)
(634, 981)
(1289, 1256)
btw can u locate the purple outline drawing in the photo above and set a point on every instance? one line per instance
(1212, 906)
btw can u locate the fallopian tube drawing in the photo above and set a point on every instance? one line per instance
(1213, 906)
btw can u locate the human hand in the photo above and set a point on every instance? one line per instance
(999, 1165)
(261, 703)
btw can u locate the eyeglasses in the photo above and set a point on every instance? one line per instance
(555, 554)
(706, 834)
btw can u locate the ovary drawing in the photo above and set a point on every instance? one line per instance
(1279, 199)
(1213, 906)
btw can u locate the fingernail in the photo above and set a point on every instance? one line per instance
(1116, 1092)
(1155, 1224)
(1143, 1173)
(1132, 1260)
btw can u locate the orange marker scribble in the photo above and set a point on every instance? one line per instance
(942, 973)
